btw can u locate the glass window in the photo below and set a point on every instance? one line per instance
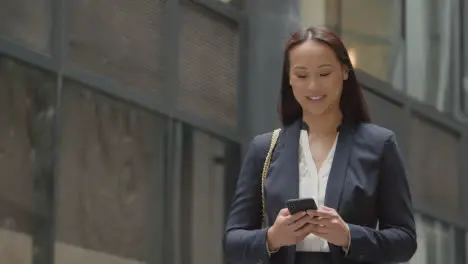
(27, 107)
(436, 242)
(429, 42)
(407, 43)
(371, 30)
(464, 87)
(372, 55)
(206, 189)
(313, 13)
(109, 181)
(376, 18)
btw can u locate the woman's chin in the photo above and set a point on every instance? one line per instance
(316, 111)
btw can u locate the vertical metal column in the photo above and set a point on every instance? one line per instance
(46, 138)
(172, 181)
(173, 137)
(170, 51)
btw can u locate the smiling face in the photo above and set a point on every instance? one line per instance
(316, 77)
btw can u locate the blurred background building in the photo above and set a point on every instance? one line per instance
(123, 123)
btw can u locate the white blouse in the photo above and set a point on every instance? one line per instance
(312, 184)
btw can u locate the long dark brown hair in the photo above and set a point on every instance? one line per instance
(352, 103)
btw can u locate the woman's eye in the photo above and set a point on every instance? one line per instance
(301, 76)
(325, 74)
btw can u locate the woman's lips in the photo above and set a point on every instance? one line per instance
(316, 99)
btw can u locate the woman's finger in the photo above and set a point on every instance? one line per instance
(319, 220)
(293, 218)
(320, 213)
(299, 223)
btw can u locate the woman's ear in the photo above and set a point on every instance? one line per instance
(345, 72)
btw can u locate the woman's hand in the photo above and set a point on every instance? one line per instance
(288, 229)
(327, 224)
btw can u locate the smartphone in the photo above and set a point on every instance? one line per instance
(301, 204)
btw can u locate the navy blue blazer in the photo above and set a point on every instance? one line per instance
(367, 186)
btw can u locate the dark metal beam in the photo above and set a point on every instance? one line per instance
(15, 50)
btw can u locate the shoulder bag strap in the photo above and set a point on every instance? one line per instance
(266, 166)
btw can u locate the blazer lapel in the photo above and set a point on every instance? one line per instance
(339, 167)
(288, 160)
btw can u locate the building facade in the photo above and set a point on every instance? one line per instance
(166, 94)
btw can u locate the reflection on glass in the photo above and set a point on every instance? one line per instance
(376, 18)
(371, 56)
(463, 100)
(371, 30)
(105, 196)
(313, 13)
(436, 242)
(421, 63)
(429, 49)
(26, 118)
(236, 3)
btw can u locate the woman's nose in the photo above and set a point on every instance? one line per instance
(312, 85)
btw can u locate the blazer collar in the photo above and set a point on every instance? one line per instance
(288, 158)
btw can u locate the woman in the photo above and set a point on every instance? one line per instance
(327, 150)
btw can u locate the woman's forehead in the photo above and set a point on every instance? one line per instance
(312, 53)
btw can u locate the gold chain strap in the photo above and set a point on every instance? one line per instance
(266, 166)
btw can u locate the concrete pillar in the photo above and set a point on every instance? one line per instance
(271, 22)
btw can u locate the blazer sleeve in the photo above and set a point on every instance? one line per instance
(244, 240)
(395, 240)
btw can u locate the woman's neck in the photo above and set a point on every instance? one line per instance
(323, 124)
